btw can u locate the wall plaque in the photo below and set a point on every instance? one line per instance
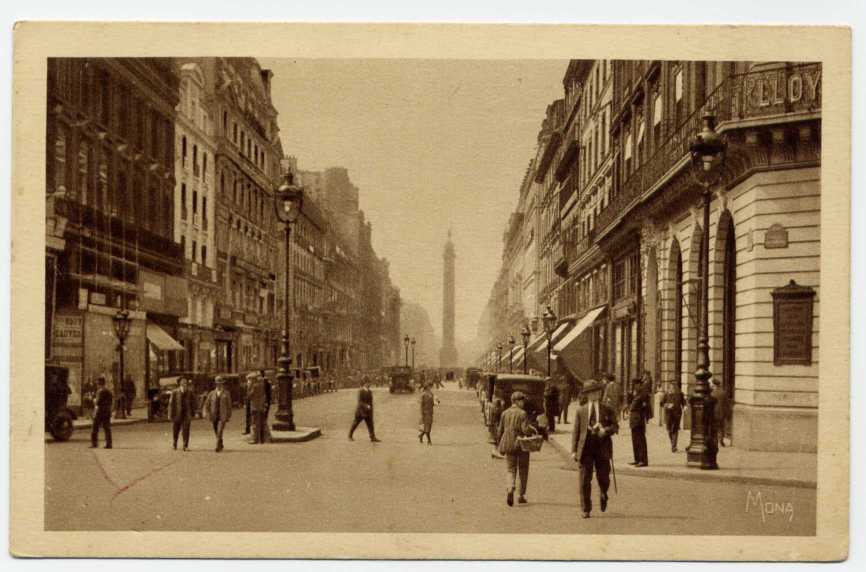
(776, 237)
(792, 324)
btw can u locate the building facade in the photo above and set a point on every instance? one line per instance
(110, 179)
(632, 235)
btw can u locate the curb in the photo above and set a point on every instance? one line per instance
(688, 474)
(300, 435)
(114, 423)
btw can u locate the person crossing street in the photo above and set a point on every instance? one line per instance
(102, 414)
(592, 446)
(218, 410)
(181, 408)
(364, 412)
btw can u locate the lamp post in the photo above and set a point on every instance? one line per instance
(511, 354)
(406, 345)
(525, 333)
(708, 155)
(413, 353)
(288, 202)
(499, 357)
(121, 322)
(549, 318)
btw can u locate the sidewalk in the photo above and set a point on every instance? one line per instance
(735, 465)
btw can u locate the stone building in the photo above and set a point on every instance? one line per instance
(110, 179)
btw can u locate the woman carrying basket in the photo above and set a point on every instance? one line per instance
(514, 424)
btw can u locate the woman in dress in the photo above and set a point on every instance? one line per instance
(428, 401)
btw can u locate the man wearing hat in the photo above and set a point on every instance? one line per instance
(591, 444)
(181, 407)
(256, 399)
(102, 414)
(514, 423)
(218, 409)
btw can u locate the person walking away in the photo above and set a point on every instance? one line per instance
(612, 393)
(181, 408)
(566, 396)
(364, 412)
(256, 400)
(551, 404)
(247, 411)
(102, 414)
(128, 388)
(496, 409)
(120, 398)
(723, 411)
(637, 418)
(269, 395)
(428, 402)
(218, 410)
(592, 446)
(514, 423)
(672, 403)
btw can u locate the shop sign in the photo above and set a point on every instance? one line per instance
(777, 89)
(792, 324)
(68, 350)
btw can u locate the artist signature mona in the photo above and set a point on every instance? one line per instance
(769, 508)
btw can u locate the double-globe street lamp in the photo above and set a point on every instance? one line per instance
(525, 333)
(288, 203)
(708, 156)
(549, 318)
(499, 357)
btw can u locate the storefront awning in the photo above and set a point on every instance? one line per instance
(578, 329)
(517, 356)
(557, 333)
(158, 337)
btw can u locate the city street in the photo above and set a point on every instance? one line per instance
(398, 485)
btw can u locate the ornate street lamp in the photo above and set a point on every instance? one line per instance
(121, 322)
(406, 345)
(413, 353)
(288, 203)
(499, 357)
(708, 156)
(511, 354)
(549, 318)
(525, 333)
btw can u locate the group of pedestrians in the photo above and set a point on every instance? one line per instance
(364, 413)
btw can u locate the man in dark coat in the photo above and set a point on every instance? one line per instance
(181, 408)
(248, 414)
(551, 404)
(591, 444)
(513, 424)
(218, 410)
(364, 412)
(102, 414)
(637, 418)
(672, 403)
(128, 388)
(256, 400)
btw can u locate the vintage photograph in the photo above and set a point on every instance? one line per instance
(414, 296)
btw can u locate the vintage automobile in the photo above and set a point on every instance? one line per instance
(473, 374)
(58, 416)
(400, 380)
(498, 392)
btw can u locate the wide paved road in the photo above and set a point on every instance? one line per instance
(398, 485)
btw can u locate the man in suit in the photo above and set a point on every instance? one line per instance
(637, 417)
(181, 408)
(514, 423)
(672, 403)
(591, 445)
(551, 403)
(256, 401)
(364, 412)
(269, 395)
(218, 410)
(102, 414)
(611, 394)
(248, 413)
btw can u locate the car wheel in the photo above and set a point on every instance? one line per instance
(61, 427)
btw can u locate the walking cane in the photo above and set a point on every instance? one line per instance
(613, 472)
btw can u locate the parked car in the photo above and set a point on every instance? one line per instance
(500, 386)
(400, 380)
(58, 416)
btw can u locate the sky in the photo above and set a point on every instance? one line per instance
(432, 145)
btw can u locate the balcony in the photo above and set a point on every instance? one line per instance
(764, 93)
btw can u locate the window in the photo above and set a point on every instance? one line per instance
(657, 120)
(641, 132)
(194, 251)
(627, 154)
(204, 166)
(118, 199)
(222, 184)
(204, 212)
(203, 254)
(619, 279)
(195, 160)
(194, 205)
(102, 181)
(183, 151)
(678, 95)
(225, 122)
(183, 201)
(235, 132)
(84, 187)
(183, 245)
(634, 273)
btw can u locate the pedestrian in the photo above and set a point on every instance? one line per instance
(181, 407)
(566, 395)
(612, 394)
(120, 398)
(428, 401)
(102, 414)
(672, 403)
(637, 419)
(722, 411)
(496, 407)
(128, 388)
(218, 410)
(256, 400)
(514, 423)
(247, 411)
(364, 411)
(551, 403)
(269, 395)
(592, 446)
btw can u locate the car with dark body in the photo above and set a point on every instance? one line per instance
(497, 393)
(473, 375)
(58, 416)
(400, 380)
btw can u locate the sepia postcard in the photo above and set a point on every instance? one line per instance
(430, 291)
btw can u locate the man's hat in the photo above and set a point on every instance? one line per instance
(517, 396)
(220, 380)
(608, 377)
(252, 375)
(591, 386)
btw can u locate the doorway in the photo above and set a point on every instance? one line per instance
(729, 312)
